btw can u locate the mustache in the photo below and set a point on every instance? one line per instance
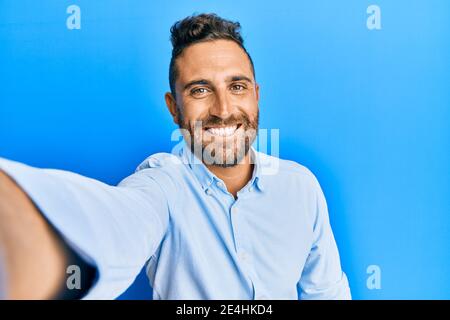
(209, 120)
(212, 120)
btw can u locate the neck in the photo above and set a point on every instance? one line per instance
(235, 177)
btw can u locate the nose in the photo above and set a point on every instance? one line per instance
(222, 106)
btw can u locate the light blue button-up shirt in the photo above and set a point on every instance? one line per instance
(273, 242)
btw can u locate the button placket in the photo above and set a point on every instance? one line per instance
(239, 236)
(242, 251)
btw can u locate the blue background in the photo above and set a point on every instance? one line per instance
(366, 110)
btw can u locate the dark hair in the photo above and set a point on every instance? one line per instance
(200, 28)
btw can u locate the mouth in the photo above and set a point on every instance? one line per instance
(222, 131)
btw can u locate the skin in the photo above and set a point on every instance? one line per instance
(228, 92)
(34, 257)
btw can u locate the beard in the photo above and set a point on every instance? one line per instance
(225, 150)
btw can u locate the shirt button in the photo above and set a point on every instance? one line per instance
(250, 189)
(220, 184)
(208, 192)
(243, 256)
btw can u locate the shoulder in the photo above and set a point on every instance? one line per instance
(286, 170)
(160, 160)
(162, 168)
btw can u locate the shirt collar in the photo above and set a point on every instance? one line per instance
(206, 177)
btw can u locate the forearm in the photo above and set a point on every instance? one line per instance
(33, 254)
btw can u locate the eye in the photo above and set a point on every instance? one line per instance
(199, 91)
(237, 87)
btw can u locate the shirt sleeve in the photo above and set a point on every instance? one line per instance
(114, 228)
(322, 277)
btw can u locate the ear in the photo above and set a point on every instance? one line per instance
(257, 92)
(172, 106)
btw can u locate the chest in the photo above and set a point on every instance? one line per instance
(269, 236)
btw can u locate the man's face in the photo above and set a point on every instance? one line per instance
(216, 101)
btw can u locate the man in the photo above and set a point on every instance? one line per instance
(211, 220)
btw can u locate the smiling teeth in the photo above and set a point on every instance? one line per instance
(223, 132)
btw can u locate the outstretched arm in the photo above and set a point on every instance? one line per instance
(50, 219)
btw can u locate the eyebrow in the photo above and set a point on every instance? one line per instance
(239, 78)
(207, 82)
